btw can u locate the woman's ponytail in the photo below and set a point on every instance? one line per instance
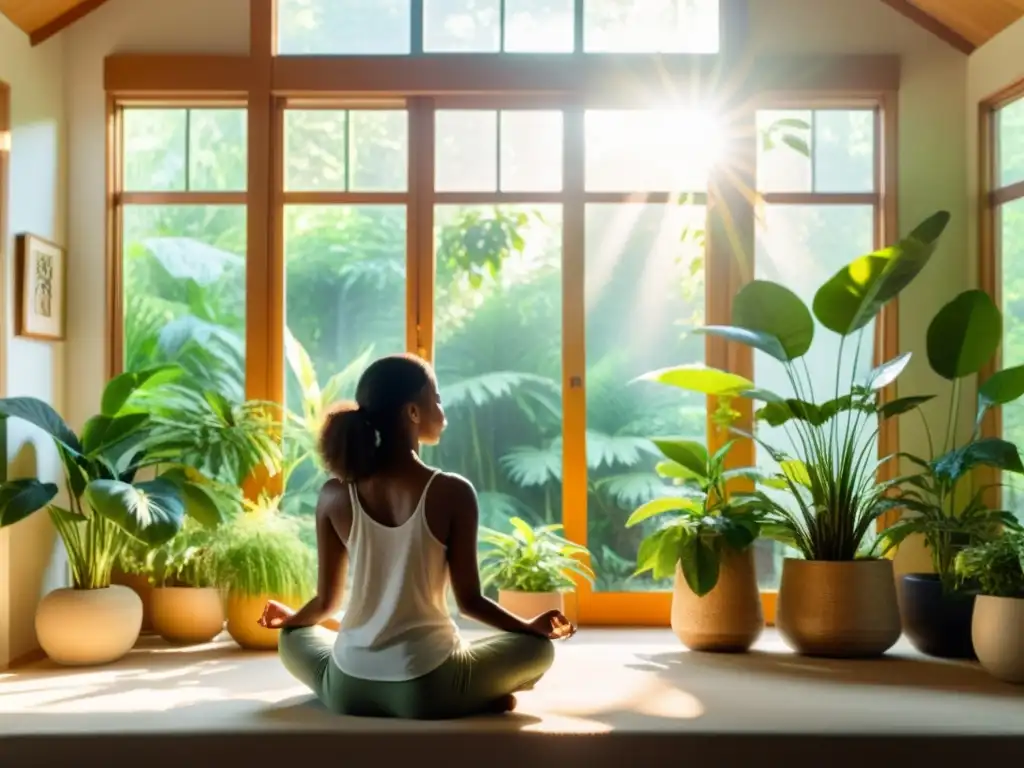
(349, 443)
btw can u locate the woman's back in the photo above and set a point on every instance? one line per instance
(397, 626)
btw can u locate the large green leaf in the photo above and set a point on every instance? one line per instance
(772, 309)
(152, 512)
(856, 293)
(102, 433)
(964, 335)
(1002, 387)
(200, 505)
(689, 453)
(887, 372)
(990, 452)
(20, 498)
(699, 563)
(660, 506)
(902, 405)
(765, 342)
(121, 388)
(699, 378)
(40, 414)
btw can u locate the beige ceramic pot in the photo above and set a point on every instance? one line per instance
(243, 612)
(140, 584)
(729, 617)
(187, 615)
(81, 627)
(997, 630)
(529, 605)
(838, 609)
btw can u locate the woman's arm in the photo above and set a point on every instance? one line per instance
(333, 564)
(464, 568)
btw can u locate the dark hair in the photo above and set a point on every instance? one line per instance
(356, 436)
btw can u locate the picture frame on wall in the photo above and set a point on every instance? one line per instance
(40, 289)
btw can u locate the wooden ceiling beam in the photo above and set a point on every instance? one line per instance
(66, 19)
(933, 25)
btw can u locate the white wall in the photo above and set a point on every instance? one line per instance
(119, 26)
(932, 176)
(37, 204)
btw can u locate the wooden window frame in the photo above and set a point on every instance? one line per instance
(267, 83)
(991, 198)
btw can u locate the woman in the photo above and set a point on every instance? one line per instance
(408, 528)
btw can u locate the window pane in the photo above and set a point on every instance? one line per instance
(784, 151)
(184, 292)
(378, 150)
(345, 285)
(650, 26)
(644, 294)
(827, 150)
(154, 150)
(539, 26)
(801, 246)
(650, 150)
(343, 27)
(1011, 230)
(314, 153)
(844, 150)
(498, 316)
(217, 159)
(531, 151)
(1011, 144)
(452, 26)
(466, 155)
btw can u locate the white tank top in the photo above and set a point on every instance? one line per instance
(397, 626)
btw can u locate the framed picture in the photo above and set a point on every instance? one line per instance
(40, 283)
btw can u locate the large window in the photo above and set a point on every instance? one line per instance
(183, 242)
(396, 27)
(817, 174)
(1005, 221)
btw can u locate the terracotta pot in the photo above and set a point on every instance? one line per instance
(998, 633)
(729, 617)
(81, 627)
(529, 605)
(187, 615)
(141, 586)
(243, 613)
(838, 609)
(936, 621)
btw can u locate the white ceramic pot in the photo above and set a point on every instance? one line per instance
(81, 627)
(187, 615)
(529, 605)
(997, 630)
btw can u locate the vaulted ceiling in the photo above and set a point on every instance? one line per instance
(964, 24)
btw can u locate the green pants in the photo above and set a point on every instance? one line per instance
(468, 683)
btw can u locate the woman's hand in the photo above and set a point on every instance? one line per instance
(552, 625)
(274, 615)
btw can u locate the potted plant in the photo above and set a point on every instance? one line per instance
(531, 567)
(256, 557)
(203, 435)
(716, 605)
(937, 608)
(997, 567)
(836, 599)
(186, 604)
(105, 506)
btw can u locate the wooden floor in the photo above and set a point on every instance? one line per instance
(612, 698)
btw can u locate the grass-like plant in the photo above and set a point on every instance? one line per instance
(531, 559)
(827, 463)
(259, 552)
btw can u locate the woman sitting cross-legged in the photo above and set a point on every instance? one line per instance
(408, 528)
